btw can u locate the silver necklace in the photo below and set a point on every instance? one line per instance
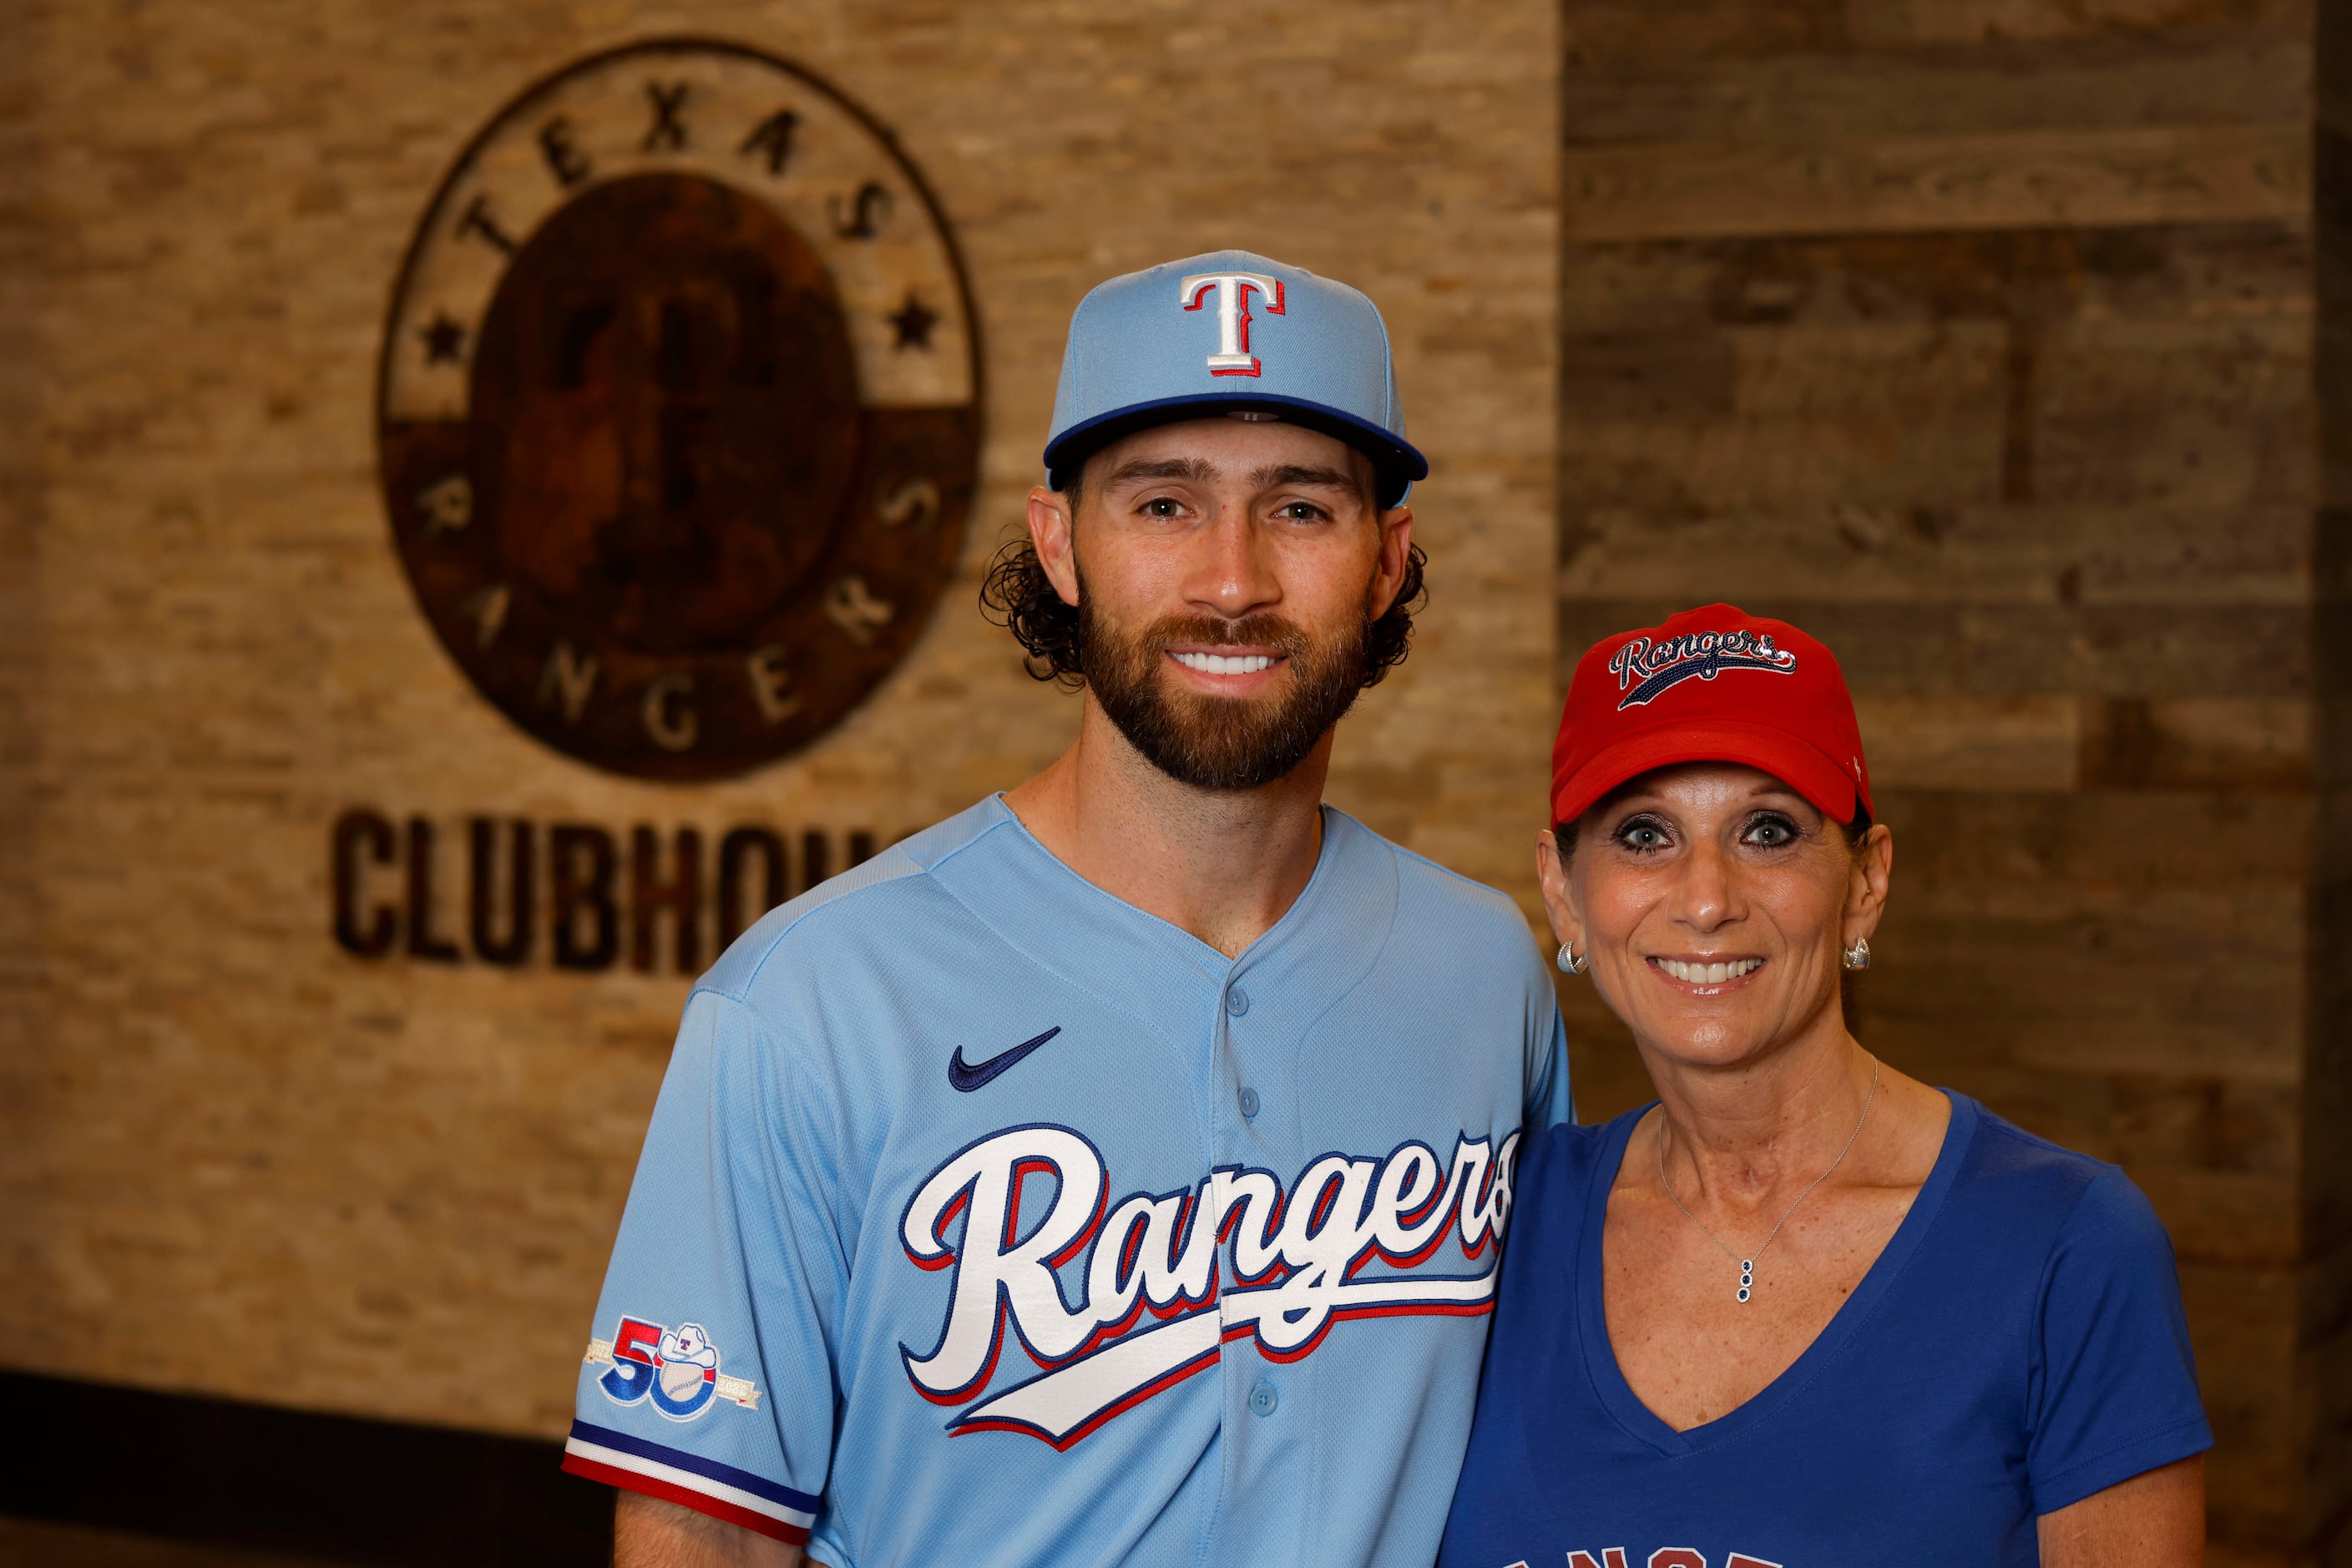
(1748, 1265)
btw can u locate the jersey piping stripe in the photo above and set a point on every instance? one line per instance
(726, 1475)
(672, 1484)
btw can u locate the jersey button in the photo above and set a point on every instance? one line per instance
(1249, 1105)
(1237, 1001)
(1263, 1399)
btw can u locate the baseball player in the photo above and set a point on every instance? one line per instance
(1114, 1172)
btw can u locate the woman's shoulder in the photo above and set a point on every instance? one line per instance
(2033, 1186)
(2002, 1151)
(1574, 1151)
(2110, 1387)
(1553, 1174)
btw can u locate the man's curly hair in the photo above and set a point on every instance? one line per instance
(1017, 594)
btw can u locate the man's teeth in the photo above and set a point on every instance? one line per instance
(1221, 664)
(1710, 973)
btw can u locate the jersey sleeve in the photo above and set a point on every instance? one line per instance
(708, 1375)
(1549, 1102)
(2112, 1385)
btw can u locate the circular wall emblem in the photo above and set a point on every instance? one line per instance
(679, 409)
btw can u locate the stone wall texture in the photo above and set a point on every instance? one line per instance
(238, 1160)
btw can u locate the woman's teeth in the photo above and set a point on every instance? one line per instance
(1708, 973)
(1221, 664)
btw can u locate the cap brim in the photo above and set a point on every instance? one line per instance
(1398, 463)
(1795, 763)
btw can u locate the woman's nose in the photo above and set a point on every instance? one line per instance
(1704, 895)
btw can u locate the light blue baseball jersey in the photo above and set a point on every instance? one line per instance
(986, 1219)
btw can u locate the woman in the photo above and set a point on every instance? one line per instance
(1803, 1310)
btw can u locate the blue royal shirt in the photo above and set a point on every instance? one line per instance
(986, 1219)
(2018, 1346)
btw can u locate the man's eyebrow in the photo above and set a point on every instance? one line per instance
(1301, 473)
(1198, 470)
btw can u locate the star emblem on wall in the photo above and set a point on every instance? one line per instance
(445, 341)
(913, 321)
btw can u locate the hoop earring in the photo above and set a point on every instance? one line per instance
(1571, 964)
(1858, 955)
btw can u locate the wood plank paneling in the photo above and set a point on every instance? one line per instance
(2049, 556)
(1975, 21)
(1980, 338)
(2008, 180)
(2147, 271)
(2212, 410)
(23, 370)
(2248, 744)
(1616, 33)
(2327, 1360)
(2110, 81)
(2243, 1322)
(1921, 741)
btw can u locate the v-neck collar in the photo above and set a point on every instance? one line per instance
(1151, 968)
(1600, 1357)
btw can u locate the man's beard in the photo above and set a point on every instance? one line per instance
(1220, 742)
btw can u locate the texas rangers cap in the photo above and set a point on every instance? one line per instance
(1712, 685)
(1226, 331)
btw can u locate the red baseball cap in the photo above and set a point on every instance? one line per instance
(1712, 685)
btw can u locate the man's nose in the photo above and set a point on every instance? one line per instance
(1234, 575)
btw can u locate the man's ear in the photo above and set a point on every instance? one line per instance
(1396, 551)
(1050, 526)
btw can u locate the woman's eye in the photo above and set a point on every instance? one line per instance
(1642, 837)
(1772, 833)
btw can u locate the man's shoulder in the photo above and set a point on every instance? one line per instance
(869, 904)
(1438, 904)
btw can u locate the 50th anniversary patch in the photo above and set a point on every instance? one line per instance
(678, 409)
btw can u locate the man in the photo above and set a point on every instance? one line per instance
(1111, 1173)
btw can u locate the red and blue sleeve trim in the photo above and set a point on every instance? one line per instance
(691, 1481)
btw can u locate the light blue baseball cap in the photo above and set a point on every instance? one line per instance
(1226, 331)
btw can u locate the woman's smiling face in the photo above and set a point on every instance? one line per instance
(1713, 901)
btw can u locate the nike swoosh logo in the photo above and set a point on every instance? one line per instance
(968, 1076)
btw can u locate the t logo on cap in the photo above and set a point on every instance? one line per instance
(1232, 356)
(1132, 362)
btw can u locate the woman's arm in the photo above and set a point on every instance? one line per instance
(2152, 1520)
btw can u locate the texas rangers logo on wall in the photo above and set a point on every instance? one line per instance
(679, 409)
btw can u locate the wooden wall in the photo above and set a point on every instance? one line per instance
(2325, 1384)
(1977, 337)
(22, 244)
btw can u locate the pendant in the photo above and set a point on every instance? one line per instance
(1746, 1278)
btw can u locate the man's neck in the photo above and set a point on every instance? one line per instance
(1223, 865)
